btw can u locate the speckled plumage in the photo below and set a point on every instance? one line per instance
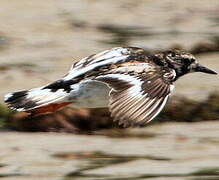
(134, 85)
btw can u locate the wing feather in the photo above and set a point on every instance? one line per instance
(95, 61)
(136, 99)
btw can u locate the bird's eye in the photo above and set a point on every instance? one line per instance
(173, 54)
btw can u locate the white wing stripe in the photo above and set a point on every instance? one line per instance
(91, 62)
(115, 52)
(79, 72)
(124, 77)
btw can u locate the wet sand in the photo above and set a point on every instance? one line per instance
(167, 151)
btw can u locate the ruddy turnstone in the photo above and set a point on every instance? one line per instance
(134, 85)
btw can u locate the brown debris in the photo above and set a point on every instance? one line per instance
(66, 120)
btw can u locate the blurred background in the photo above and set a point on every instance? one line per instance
(39, 40)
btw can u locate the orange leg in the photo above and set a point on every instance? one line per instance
(48, 108)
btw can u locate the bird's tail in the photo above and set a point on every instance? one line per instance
(38, 100)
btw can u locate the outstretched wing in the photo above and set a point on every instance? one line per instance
(106, 58)
(96, 64)
(136, 98)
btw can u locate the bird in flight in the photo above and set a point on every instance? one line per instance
(135, 86)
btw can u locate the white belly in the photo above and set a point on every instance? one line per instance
(90, 94)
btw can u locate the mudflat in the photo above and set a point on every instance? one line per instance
(167, 151)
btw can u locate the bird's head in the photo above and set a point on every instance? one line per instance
(183, 62)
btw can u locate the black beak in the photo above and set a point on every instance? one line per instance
(200, 68)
